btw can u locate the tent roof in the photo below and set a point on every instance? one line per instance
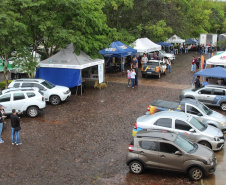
(175, 39)
(118, 49)
(216, 72)
(66, 58)
(164, 44)
(144, 45)
(219, 59)
(191, 41)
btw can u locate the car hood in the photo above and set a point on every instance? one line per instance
(213, 131)
(203, 151)
(218, 116)
(187, 91)
(169, 55)
(144, 121)
(60, 88)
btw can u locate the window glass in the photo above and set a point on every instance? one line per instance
(30, 94)
(164, 122)
(149, 145)
(5, 98)
(219, 92)
(192, 110)
(16, 85)
(168, 148)
(198, 124)
(48, 84)
(18, 96)
(206, 91)
(181, 125)
(185, 144)
(26, 85)
(39, 86)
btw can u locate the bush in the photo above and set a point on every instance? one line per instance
(2, 84)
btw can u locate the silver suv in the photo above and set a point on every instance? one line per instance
(52, 93)
(169, 151)
(209, 94)
(188, 126)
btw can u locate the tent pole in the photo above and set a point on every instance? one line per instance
(81, 80)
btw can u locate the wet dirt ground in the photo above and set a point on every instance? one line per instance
(85, 139)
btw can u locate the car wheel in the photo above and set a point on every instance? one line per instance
(195, 173)
(32, 111)
(205, 144)
(55, 100)
(223, 106)
(136, 167)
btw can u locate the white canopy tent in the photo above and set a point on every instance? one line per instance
(175, 39)
(144, 45)
(217, 59)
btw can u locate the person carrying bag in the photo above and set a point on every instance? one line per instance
(15, 124)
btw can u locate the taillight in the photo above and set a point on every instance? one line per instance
(135, 125)
(148, 109)
(131, 148)
(43, 99)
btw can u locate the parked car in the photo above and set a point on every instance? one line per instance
(188, 126)
(52, 93)
(191, 107)
(153, 67)
(162, 54)
(209, 94)
(27, 101)
(169, 151)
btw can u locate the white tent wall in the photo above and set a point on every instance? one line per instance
(144, 45)
(175, 40)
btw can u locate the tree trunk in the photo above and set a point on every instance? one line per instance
(4, 64)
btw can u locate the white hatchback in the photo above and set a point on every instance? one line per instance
(52, 93)
(28, 101)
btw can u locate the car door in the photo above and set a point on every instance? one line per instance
(193, 111)
(148, 152)
(219, 94)
(167, 157)
(184, 128)
(163, 123)
(5, 101)
(205, 95)
(19, 101)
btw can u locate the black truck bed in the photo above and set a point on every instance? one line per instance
(165, 104)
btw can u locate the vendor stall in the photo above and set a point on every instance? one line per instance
(144, 45)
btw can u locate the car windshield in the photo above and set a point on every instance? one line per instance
(205, 109)
(153, 63)
(48, 84)
(196, 89)
(198, 124)
(186, 145)
(163, 51)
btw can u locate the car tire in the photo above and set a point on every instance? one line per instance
(205, 143)
(223, 106)
(32, 111)
(195, 173)
(55, 100)
(136, 167)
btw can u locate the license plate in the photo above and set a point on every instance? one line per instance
(149, 72)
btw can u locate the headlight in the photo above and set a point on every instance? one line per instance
(216, 138)
(209, 162)
(222, 123)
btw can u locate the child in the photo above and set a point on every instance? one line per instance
(133, 74)
(129, 77)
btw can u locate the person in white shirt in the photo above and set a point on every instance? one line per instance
(132, 76)
(144, 59)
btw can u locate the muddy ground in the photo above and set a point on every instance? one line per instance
(85, 139)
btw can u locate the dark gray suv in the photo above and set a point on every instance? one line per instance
(169, 151)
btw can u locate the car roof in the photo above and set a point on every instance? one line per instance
(189, 100)
(18, 90)
(216, 86)
(29, 80)
(157, 134)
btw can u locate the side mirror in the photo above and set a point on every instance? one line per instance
(199, 114)
(178, 153)
(192, 130)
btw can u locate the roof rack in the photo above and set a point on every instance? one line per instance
(30, 80)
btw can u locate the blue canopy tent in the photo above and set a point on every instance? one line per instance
(118, 49)
(215, 72)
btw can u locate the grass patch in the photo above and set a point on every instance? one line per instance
(2, 84)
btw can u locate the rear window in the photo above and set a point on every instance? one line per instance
(30, 94)
(18, 96)
(149, 145)
(41, 93)
(16, 85)
(164, 122)
(26, 85)
(219, 92)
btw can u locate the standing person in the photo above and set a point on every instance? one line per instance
(15, 124)
(206, 82)
(169, 64)
(133, 75)
(186, 49)
(134, 65)
(1, 121)
(193, 64)
(144, 59)
(210, 51)
(198, 63)
(129, 77)
(122, 63)
(180, 49)
(197, 82)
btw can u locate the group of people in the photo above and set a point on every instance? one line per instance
(195, 64)
(198, 84)
(132, 74)
(15, 125)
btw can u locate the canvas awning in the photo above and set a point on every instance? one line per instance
(144, 45)
(219, 59)
(175, 39)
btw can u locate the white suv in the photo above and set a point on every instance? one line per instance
(52, 93)
(28, 101)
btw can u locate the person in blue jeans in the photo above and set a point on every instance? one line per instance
(169, 65)
(15, 124)
(1, 121)
(133, 74)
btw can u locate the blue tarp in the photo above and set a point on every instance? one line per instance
(216, 72)
(191, 41)
(60, 76)
(118, 49)
(164, 44)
